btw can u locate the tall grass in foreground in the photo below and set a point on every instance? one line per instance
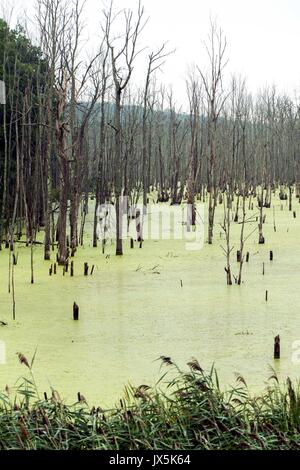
(193, 414)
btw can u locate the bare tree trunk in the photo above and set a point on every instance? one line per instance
(242, 238)
(261, 239)
(226, 228)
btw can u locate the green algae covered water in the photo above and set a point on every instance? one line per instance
(158, 300)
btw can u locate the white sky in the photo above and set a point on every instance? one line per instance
(263, 38)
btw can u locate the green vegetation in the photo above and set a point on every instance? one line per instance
(193, 414)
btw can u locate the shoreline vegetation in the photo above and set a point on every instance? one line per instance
(192, 414)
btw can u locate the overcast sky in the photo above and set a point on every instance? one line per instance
(263, 37)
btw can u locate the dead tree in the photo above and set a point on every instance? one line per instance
(194, 93)
(122, 59)
(215, 98)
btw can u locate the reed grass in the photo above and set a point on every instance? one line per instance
(189, 412)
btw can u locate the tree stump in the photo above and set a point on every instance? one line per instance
(277, 347)
(92, 270)
(266, 296)
(294, 214)
(75, 311)
(247, 257)
(271, 255)
(138, 225)
(66, 266)
(72, 269)
(54, 268)
(86, 269)
(131, 243)
(50, 270)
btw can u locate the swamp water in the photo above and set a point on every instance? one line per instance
(133, 310)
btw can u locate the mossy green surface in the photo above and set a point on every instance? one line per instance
(133, 310)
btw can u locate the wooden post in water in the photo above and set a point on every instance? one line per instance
(266, 296)
(72, 269)
(86, 269)
(277, 347)
(75, 311)
(247, 257)
(271, 255)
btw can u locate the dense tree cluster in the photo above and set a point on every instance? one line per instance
(74, 129)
